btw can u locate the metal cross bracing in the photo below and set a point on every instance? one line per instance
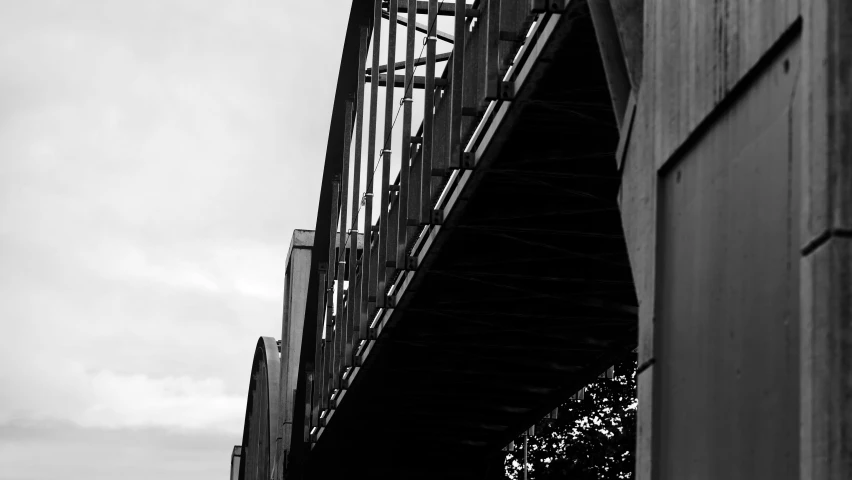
(485, 243)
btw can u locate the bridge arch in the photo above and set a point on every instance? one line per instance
(261, 429)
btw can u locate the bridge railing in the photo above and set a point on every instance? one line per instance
(353, 283)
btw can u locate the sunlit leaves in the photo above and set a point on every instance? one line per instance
(594, 438)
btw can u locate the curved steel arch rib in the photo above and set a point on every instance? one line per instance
(261, 428)
(347, 82)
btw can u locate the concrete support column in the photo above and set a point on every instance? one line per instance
(826, 246)
(710, 198)
(296, 281)
(612, 54)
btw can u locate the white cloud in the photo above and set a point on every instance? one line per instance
(117, 260)
(155, 157)
(181, 402)
(107, 399)
(35, 450)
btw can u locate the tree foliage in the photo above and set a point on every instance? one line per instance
(593, 438)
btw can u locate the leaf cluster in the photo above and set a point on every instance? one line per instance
(593, 438)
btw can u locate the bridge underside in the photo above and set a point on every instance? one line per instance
(529, 297)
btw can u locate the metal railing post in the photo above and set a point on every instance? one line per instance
(340, 257)
(405, 158)
(384, 201)
(368, 278)
(353, 309)
(457, 90)
(428, 117)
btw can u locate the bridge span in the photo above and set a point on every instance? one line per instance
(518, 194)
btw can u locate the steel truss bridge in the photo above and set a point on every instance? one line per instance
(518, 194)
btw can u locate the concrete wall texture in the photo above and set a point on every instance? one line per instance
(736, 201)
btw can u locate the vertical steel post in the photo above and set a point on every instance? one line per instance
(405, 157)
(342, 242)
(384, 200)
(353, 309)
(328, 351)
(356, 317)
(368, 274)
(457, 87)
(309, 406)
(329, 291)
(332, 244)
(428, 116)
(313, 419)
(415, 196)
(392, 235)
(492, 51)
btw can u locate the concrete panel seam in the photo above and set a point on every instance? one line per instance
(824, 238)
(645, 365)
(735, 93)
(626, 132)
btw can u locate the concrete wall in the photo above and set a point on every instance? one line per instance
(236, 458)
(292, 323)
(736, 201)
(726, 343)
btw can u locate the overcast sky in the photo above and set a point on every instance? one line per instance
(155, 156)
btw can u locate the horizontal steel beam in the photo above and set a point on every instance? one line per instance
(420, 27)
(442, 57)
(399, 81)
(444, 9)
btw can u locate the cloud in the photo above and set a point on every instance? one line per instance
(181, 402)
(35, 450)
(156, 157)
(71, 392)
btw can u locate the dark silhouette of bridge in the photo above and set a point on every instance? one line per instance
(518, 194)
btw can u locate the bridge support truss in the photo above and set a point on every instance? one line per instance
(413, 195)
